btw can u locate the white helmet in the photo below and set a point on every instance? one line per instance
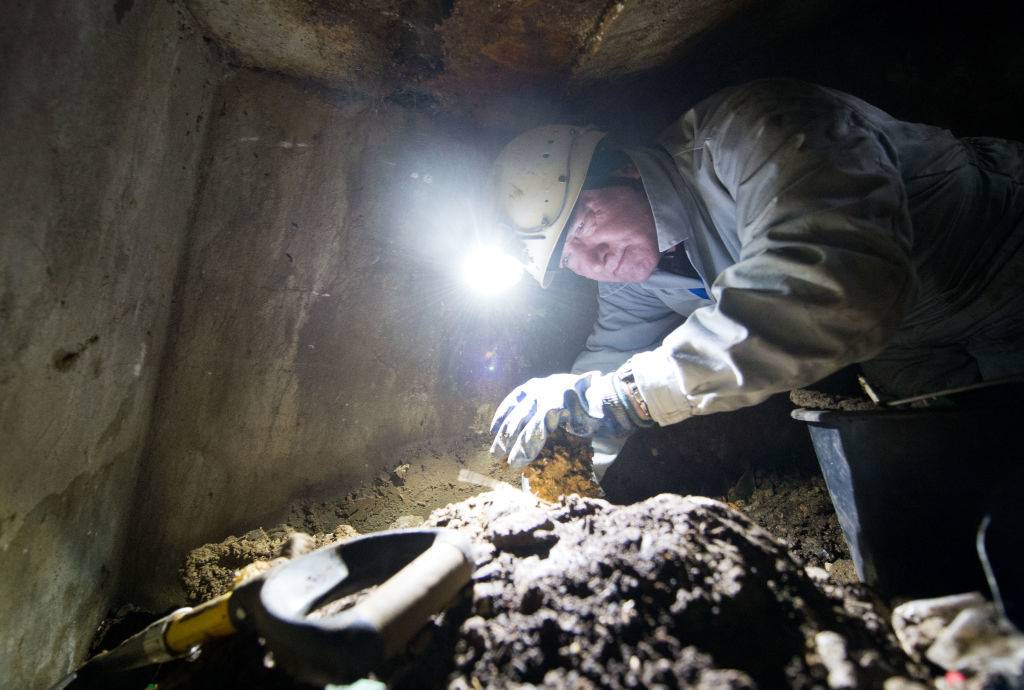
(538, 177)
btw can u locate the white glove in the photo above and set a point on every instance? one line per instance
(587, 405)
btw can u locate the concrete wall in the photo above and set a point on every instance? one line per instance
(102, 113)
(320, 323)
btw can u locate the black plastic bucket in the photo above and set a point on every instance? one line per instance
(911, 487)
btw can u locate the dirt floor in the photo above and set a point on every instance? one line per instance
(796, 509)
(668, 592)
(422, 479)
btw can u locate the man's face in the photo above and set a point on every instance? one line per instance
(611, 236)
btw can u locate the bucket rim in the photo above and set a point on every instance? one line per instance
(817, 416)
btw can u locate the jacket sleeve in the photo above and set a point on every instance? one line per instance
(629, 320)
(824, 272)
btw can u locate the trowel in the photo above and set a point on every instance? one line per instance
(417, 573)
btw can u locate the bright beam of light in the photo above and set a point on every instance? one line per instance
(490, 271)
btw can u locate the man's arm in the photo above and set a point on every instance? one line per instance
(629, 320)
(824, 274)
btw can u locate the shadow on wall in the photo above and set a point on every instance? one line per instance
(50, 541)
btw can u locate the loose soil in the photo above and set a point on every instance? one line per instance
(819, 400)
(565, 466)
(399, 497)
(578, 592)
(799, 511)
(422, 479)
(668, 592)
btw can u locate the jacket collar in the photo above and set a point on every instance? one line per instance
(660, 179)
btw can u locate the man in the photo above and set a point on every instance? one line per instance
(777, 232)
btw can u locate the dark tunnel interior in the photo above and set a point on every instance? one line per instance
(230, 240)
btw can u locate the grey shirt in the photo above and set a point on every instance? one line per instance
(825, 232)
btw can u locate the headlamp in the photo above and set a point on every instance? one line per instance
(490, 271)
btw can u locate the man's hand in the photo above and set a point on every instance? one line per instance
(585, 405)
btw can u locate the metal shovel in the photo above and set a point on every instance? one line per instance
(419, 572)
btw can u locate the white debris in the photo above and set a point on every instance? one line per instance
(137, 367)
(980, 640)
(918, 623)
(963, 633)
(831, 647)
(817, 574)
(407, 522)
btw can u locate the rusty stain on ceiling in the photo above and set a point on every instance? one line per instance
(465, 54)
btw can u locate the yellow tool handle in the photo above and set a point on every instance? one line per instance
(199, 625)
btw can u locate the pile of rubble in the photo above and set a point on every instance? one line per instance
(669, 592)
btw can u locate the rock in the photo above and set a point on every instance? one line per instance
(343, 532)
(247, 572)
(519, 529)
(407, 522)
(843, 571)
(817, 574)
(398, 474)
(487, 572)
(979, 641)
(831, 647)
(918, 623)
(299, 543)
(973, 628)
(964, 634)
(474, 631)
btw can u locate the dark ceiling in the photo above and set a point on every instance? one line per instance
(633, 65)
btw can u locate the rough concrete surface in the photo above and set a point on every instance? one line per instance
(103, 109)
(636, 36)
(322, 324)
(506, 63)
(365, 47)
(501, 58)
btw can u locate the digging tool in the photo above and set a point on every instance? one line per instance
(418, 573)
